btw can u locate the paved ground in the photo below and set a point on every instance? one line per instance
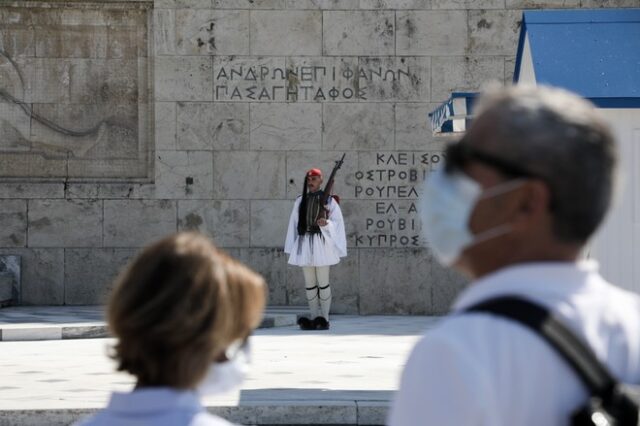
(344, 376)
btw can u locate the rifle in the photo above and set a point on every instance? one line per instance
(328, 187)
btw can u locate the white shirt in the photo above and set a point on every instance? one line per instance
(317, 249)
(154, 406)
(479, 369)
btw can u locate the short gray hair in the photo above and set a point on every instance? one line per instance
(561, 138)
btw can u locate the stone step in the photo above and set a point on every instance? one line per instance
(283, 413)
(22, 323)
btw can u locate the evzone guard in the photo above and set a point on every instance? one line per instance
(316, 240)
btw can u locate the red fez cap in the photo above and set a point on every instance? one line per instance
(314, 172)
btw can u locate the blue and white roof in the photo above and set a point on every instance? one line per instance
(595, 53)
(454, 115)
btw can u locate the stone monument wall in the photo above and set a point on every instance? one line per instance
(123, 121)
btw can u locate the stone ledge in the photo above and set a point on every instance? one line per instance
(284, 412)
(92, 330)
(30, 332)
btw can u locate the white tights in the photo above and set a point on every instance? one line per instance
(318, 291)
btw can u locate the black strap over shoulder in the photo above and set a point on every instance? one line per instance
(611, 403)
(581, 358)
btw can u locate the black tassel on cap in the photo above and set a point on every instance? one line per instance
(302, 211)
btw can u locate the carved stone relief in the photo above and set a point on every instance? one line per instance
(74, 91)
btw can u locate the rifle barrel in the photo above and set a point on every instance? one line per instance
(329, 185)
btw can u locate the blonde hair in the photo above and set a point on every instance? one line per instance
(178, 306)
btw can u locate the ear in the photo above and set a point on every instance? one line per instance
(534, 204)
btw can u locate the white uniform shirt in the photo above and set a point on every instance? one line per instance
(482, 370)
(154, 407)
(315, 249)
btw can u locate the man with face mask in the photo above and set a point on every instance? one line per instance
(315, 240)
(519, 197)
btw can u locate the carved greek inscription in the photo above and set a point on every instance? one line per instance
(261, 82)
(393, 183)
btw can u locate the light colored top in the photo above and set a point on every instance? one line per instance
(317, 249)
(154, 406)
(482, 370)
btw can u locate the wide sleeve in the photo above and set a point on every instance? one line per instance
(441, 385)
(334, 230)
(292, 230)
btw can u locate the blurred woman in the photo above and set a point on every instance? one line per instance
(182, 313)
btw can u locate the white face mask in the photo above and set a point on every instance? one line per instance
(226, 376)
(446, 205)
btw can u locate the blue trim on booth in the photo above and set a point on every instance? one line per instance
(616, 102)
(520, 51)
(464, 94)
